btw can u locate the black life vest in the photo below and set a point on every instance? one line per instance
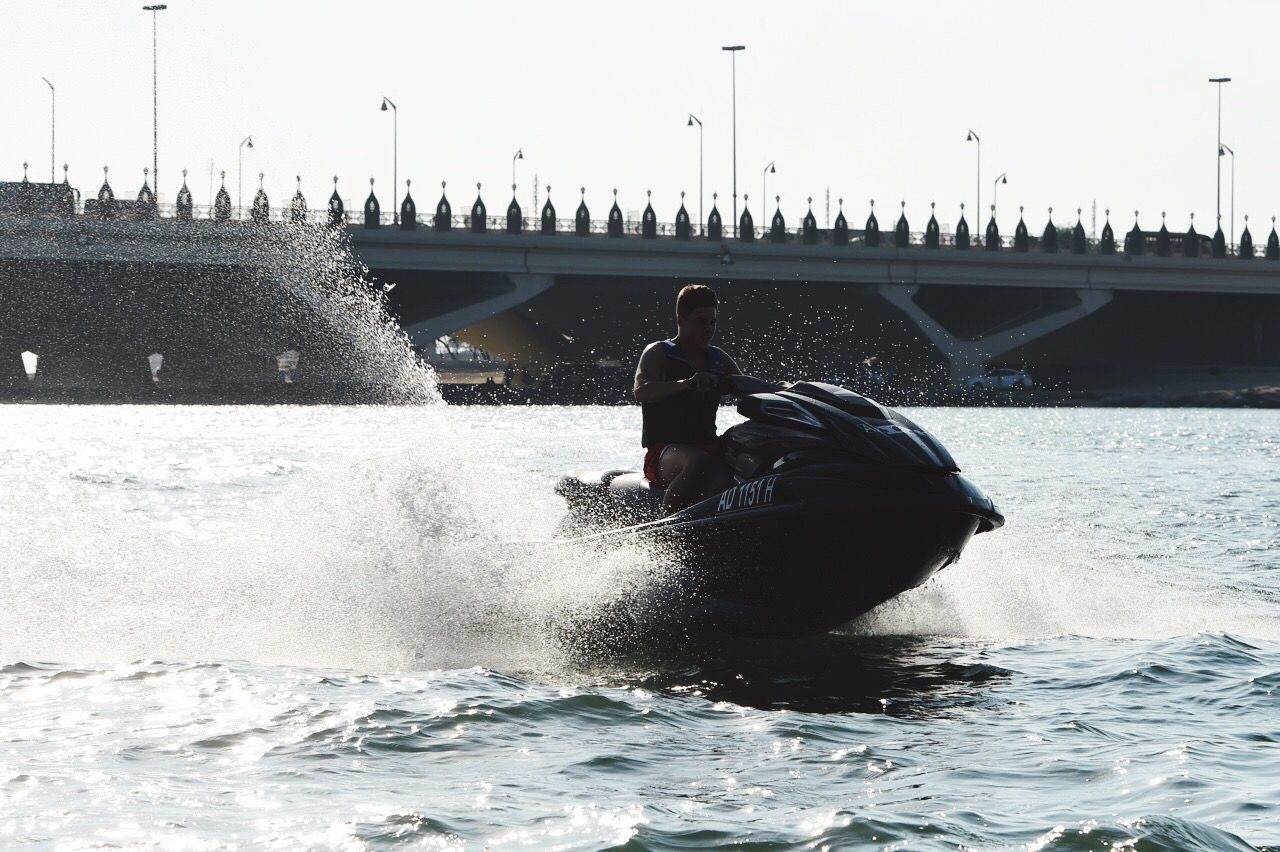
(688, 417)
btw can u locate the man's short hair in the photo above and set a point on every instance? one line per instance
(694, 296)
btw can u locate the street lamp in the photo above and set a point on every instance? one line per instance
(395, 155)
(1227, 148)
(764, 177)
(701, 221)
(733, 52)
(1219, 81)
(518, 155)
(53, 117)
(995, 201)
(973, 137)
(246, 141)
(155, 102)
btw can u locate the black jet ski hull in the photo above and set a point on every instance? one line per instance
(739, 580)
(792, 554)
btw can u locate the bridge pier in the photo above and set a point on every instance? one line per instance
(967, 356)
(512, 289)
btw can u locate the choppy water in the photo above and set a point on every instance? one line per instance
(335, 628)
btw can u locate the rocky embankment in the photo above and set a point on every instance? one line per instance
(1267, 396)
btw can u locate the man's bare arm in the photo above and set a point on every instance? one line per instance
(650, 386)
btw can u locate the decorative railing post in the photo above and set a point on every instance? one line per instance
(337, 210)
(840, 232)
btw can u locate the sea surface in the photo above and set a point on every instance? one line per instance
(342, 628)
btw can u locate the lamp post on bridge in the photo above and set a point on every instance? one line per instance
(1223, 147)
(701, 221)
(764, 178)
(245, 142)
(155, 98)
(395, 155)
(518, 155)
(53, 119)
(973, 137)
(995, 191)
(1219, 81)
(733, 52)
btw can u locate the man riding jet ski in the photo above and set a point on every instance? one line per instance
(819, 507)
(677, 386)
(829, 505)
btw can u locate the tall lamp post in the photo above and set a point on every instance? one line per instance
(53, 119)
(245, 142)
(155, 97)
(395, 154)
(973, 137)
(518, 155)
(1227, 148)
(995, 201)
(733, 52)
(1218, 159)
(701, 222)
(764, 195)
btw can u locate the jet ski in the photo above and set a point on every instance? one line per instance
(825, 505)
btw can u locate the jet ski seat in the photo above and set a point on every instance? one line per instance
(618, 498)
(630, 480)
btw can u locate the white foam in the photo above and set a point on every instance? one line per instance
(1018, 583)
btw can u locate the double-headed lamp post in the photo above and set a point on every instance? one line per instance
(53, 124)
(246, 142)
(692, 119)
(155, 96)
(733, 52)
(1218, 159)
(395, 154)
(973, 137)
(1227, 148)
(995, 200)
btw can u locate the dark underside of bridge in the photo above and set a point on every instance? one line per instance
(219, 328)
(795, 328)
(94, 324)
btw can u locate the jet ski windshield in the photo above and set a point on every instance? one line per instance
(856, 424)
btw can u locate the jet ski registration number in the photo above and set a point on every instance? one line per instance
(748, 495)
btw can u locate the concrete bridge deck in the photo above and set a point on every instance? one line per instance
(494, 272)
(203, 242)
(565, 254)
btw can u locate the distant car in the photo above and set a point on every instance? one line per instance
(1000, 378)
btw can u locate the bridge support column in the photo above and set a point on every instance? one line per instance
(523, 286)
(966, 356)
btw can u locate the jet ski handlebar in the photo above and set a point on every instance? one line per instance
(743, 386)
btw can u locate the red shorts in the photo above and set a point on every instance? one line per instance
(653, 455)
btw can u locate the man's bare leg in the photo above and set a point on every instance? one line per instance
(684, 469)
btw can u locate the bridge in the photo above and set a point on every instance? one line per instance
(490, 266)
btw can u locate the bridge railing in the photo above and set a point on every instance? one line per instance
(631, 228)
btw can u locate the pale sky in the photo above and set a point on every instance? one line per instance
(1075, 101)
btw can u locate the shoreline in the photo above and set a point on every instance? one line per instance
(1259, 397)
